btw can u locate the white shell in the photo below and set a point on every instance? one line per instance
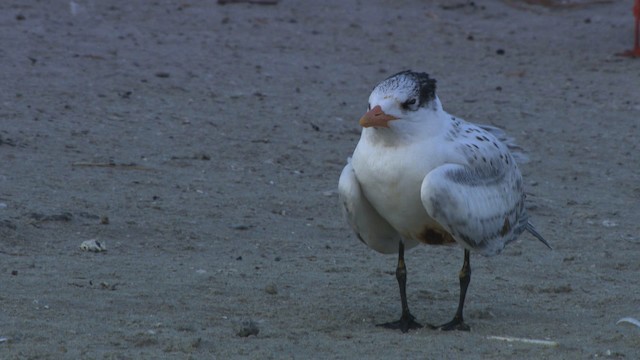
(629, 320)
(93, 245)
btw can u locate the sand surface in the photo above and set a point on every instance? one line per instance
(201, 144)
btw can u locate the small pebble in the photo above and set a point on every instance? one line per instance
(248, 328)
(482, 314)
(271, 289)
(240, 227)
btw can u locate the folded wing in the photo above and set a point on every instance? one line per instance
(371, 228)
(481, 207)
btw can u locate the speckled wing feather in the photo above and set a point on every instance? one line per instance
(480, 202)
(516, 151)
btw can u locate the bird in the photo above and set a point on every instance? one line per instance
(421, 175)
(635, 51)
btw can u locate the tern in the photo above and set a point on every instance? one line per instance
(421, 175)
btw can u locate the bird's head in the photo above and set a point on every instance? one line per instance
(403, 96)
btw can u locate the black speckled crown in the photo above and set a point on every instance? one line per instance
(423, 87)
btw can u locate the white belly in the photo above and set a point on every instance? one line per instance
(393, 187)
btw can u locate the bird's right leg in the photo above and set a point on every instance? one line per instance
(407, 321)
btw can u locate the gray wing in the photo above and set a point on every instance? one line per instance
(480, 203)
(371, 228)
(482, 209)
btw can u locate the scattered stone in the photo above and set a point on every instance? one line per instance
(271, 289)
(248, 328)
(87, 215)
(240, 227)
(329, 193)
(107, 286)
(485, 314)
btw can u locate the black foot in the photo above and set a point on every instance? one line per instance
(407, 322)
(455, 324)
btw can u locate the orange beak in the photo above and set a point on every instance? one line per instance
(376, 118)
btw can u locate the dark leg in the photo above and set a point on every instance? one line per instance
(636, 42)
(407, 321)
(465, 277)
(635, 52)
(636, 38)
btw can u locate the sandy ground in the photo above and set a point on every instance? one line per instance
(202, 145)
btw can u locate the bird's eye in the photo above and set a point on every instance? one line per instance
(407, 104)
(368, 107)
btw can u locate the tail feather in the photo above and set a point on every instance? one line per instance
(532, 230)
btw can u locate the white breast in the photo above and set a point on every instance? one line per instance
(391, 177)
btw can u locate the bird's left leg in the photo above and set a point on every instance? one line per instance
(465, 277)
(636, 41)
(635, 52)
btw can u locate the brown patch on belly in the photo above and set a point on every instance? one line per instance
(433, 236)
